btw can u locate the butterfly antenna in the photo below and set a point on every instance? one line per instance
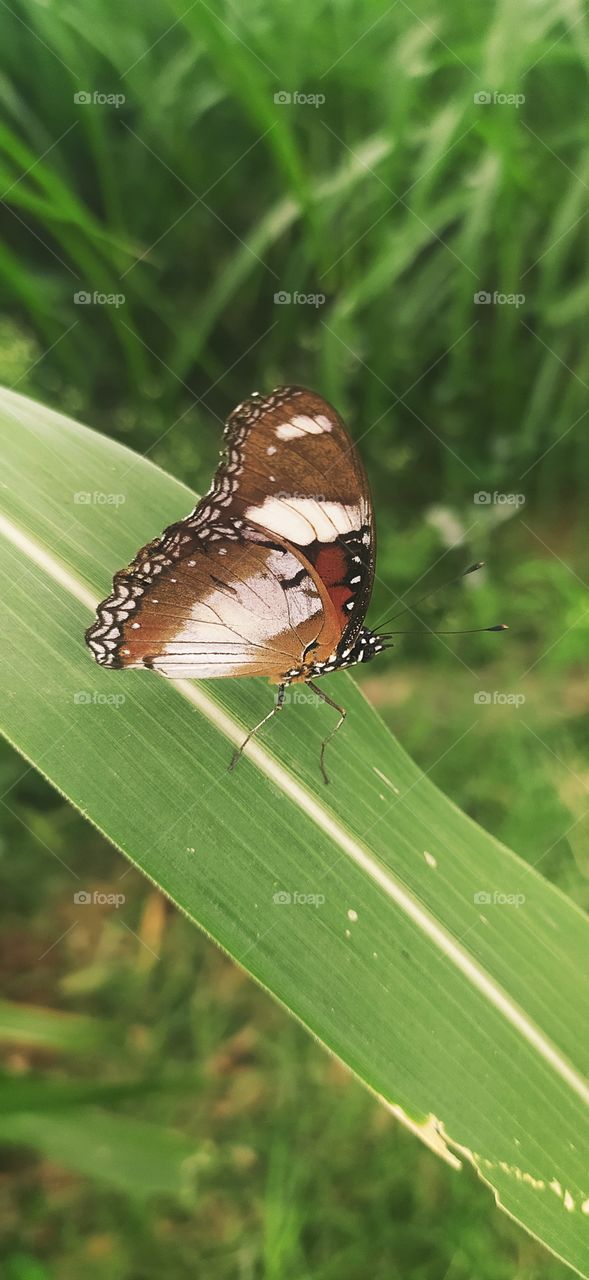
(428, 594)
(472, 631)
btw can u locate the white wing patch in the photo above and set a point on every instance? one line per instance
(302, 425)
(302, 520)
(240, 624)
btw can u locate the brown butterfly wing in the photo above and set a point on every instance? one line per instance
(292, 468)
(244, 607)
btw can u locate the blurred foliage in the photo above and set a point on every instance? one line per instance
(398, 199)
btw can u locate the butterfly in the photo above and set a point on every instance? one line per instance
(270, 575)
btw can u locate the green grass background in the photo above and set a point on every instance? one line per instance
(397, 200)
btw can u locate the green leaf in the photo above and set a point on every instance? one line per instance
(139, 1158)
(27, 1024)
(30, 1094)
(446, 973)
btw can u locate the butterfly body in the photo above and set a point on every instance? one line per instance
(272, 572)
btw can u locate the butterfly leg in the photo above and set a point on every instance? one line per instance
(278, 705)
(342, 716)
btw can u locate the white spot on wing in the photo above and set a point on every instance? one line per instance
(301, 425)
(287, 431)
(305, 423)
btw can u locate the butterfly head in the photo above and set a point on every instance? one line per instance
(365, 647)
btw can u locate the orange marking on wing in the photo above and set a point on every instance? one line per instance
(331, 565)
(339, 596)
